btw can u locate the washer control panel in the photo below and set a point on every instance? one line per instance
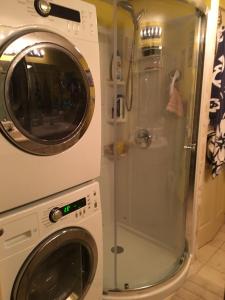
(27, 226)
(73, 206)
(58, 212)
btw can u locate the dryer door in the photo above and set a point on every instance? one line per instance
(62, 267)
(46, 93)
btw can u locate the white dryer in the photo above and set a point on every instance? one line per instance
(53, 250)
(49, 98)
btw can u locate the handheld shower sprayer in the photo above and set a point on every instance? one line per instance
(129, 8)
(126, 5)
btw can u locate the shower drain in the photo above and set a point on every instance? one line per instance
(117, 249)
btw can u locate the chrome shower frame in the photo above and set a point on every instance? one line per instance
(189, 250)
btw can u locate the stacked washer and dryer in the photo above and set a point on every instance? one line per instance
(50, 211)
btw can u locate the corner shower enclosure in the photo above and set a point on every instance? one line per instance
(150, 118)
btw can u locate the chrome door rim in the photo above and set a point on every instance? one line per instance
(75, 234)
(21, 46)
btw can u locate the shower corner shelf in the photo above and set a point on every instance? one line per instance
(119, 150)
(118, 82)
(148, 70)
(117, 121)
(149, 57)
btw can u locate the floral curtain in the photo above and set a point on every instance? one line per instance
(216, 134)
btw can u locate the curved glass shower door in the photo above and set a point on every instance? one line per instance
(153, 141)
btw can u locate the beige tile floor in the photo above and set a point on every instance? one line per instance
(206, 279)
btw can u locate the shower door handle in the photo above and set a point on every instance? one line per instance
(191, 147)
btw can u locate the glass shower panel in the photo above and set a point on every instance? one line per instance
(152, 162)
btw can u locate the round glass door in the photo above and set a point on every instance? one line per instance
(62, 267)
(48, 93)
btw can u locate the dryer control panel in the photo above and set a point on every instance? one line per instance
(45, 8)
(74, 18)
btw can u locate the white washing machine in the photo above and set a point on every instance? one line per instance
(49, 98)
(53, 250)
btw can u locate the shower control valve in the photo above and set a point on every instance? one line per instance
(143, 138)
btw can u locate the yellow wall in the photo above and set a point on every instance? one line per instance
(222, 3)
(211, 212)
(168, 10)
(104, 12)
(207, 3)
(105, 9)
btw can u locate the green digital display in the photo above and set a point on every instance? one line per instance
(69, 208)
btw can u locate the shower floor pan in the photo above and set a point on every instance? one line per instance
(140, 263)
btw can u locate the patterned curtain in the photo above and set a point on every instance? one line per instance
(216, 134)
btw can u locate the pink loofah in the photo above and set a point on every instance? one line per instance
(175, 104)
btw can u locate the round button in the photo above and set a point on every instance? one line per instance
(43, 7)
(55, 214)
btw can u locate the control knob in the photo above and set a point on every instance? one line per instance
(55, 214)
(43, 7)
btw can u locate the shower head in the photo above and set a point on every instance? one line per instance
(129, 8)
(139, 15)
(126, 5)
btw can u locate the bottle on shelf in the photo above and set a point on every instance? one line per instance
(120, 108)
(118, 67)
(118, 149)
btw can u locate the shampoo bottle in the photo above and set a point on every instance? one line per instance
(118, 67)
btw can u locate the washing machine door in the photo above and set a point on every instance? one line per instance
(62, 267)
(46, 93)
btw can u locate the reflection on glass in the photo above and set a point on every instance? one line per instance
(62, 274)
(48, 95)
(147, 215)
